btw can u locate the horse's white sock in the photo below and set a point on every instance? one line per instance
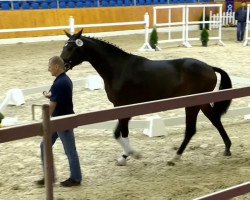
(124, 142)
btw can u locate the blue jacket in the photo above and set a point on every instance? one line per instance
(61, 93)
(241, 14)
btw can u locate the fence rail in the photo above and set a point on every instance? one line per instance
(186, 24)
(72, 121)
(228, 193)
(72, 26)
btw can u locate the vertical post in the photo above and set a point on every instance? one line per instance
(211, 19)
(203, 17)
(48, 155)
(185, 26)
(169, 21)
(185, 20)
(247, 26)
(233, 18)
(146, 46)
(146, 19)
(71, 25)
(220, 23)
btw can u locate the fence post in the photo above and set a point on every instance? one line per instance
(146, 46)
(48, 155)
(71, 25)
(247, 26)
(211, 19)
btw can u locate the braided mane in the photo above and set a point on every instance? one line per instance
(107, 44)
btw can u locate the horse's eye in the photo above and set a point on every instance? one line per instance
(69, 48)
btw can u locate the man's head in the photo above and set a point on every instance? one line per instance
(56, 66)
(243, 2)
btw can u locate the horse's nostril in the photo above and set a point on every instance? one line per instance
(67, 65)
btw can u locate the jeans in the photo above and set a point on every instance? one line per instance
(68, 141)
(240, 30)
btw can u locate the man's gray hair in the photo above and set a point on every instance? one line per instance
(57, 60)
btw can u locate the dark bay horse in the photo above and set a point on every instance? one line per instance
(132, 79)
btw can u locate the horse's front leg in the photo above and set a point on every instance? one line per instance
(121, 135)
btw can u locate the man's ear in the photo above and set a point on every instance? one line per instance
(56, 66)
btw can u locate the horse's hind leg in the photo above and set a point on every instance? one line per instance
(121, 135)
(211, 114)
(191, 119)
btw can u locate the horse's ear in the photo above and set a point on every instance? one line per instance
(78, 35)
(66, 33)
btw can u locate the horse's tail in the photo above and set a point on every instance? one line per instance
(225, 83)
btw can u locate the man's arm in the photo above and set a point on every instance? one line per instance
(52, 106)
(236, 15)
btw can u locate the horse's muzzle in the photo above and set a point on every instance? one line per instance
(68, 66)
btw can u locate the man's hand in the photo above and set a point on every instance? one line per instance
(46, 94)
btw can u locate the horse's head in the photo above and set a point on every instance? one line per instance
(71, 53)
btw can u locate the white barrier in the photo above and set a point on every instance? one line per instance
(13, 97)
(171, 25)
(72, 26)
(16, 96)
(247, 35)
(228, 19)
(186, 24)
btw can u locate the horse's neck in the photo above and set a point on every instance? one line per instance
(104, 61)
(103, 68)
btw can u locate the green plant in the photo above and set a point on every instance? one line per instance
(206, 25)
(153, 41)
(1, 117)
(204, 35)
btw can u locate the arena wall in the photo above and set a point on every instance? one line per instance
(60, 17)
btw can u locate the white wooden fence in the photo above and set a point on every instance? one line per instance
(72, 26)
(227, 20)
(185, 24)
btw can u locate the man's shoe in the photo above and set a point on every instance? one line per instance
(70, 182)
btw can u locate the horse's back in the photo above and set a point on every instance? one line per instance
(147, 80)
(184, 76)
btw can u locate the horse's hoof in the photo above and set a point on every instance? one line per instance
(121, 162)
(136, 155)
(227, 153)
(171, 163)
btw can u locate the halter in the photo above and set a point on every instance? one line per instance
(78, 43)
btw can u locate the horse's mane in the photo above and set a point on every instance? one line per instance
(110, 46)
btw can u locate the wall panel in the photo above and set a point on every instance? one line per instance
(60, 17)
